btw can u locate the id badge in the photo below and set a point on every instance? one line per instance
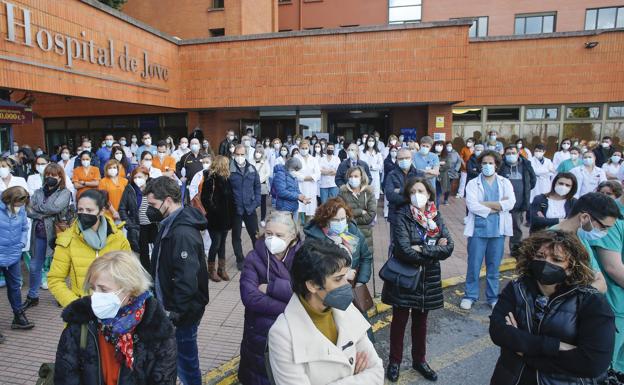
(431, 242)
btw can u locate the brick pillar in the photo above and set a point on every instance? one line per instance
(440, 114)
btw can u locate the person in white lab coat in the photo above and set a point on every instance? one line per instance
(374, 159)
(308, 178)
(329, 165)
(264, 173)
(588, 175)
(67, 162)
(544, 172)
(334, 348)
(563, 153)
(613, 166)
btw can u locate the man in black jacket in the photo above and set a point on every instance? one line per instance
(353, 159)
(604, 151)
(522, 177)
(224, 147)
(179, 269)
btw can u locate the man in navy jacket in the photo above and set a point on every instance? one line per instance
(245, 184)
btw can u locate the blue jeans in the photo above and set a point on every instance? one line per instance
(188, 355)
(36, 266)
(13, 277)
(492, 250)
(328, 192)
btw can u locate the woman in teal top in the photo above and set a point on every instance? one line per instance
(574, 161)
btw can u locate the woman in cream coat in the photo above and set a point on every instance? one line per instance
(321, 339)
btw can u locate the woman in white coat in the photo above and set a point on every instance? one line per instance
(489, 199)
(544, 171)
(264, 173)
(308, 178)
(588, 175)
(563, 153)
(375, 163)
(321, 338)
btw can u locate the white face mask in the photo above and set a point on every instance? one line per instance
(119, 157)
(438, 148)
(122, 142)
(240, 159)
(113, 172)
(562, 190)
(133, 140)
(565, 146)
(539, 155)
(161, 155)
(205, 166)
(105, 305)
(148, 142)
(418, 200)
(65, 156)
(140, 182)
(41, 168)
(86, 163)
(303, 151)
(247, 143)
(275, 245)
(147, 164)
(393, 154)
(449, 148)
(183, 146)
(4, 172)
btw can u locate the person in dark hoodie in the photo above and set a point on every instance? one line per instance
(120, 333)
(179, 269)
(266, 289)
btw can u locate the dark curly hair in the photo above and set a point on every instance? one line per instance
(559, 243)
(315, 261)
(325, 212)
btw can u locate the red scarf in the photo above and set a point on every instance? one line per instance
(426, 219)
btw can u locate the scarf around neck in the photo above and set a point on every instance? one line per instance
(118, 331)
(426, 218)
(96, 240)
(345, 239)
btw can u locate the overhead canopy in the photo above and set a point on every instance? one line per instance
(14, 113)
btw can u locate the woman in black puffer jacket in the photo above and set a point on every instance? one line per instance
(129, 344)
(552, 326)
(421, 239)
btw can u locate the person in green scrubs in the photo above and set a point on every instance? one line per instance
(574, 161)
(608, 243)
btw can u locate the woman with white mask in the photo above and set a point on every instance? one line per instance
(550, 208)
(265, 291)
(588, 175)
(119, 333)
(375, 161)
(544, 171)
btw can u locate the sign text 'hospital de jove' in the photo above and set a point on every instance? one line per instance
(77, 49)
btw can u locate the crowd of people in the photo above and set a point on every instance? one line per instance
(127, 235)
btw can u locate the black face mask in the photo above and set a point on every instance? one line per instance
(330, 152)
(87, 221)
(51, 181)
(546, 273)
(154, 214)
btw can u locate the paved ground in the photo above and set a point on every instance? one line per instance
(221, 328)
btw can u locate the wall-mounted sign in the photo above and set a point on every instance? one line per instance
(439, 121)
(439, 136)
(15, 115)
(78, 48)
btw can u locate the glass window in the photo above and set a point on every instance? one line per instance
(541, 133)
(175, 121)
(616, 131)
(217, 3)
(533, 24)
(466, 131)
(479, 27)
(583, 112)
(404, 11)
(550, 113)
(616, 111)
(77, 124)
(309, 125)
(503, 114)
(55, 124)
(466, 114)
(604, 18)
(582, 131)
(507, 132)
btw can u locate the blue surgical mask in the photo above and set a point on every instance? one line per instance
(511, 158)
(488, 169)
(592, 235)
(616, 159)
(405, 164)
(338, 227)
(424, 150)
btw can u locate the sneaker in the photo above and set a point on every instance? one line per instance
(458, 196)
(262, 223)
(44, 281)
(492, 304)
(466, 304)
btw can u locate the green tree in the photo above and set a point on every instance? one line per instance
(114, 3)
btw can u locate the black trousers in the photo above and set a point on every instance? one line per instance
(217, 247)
(147, 235)
(263, 207)
(251, 224)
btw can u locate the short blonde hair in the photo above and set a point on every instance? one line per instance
(125, 270)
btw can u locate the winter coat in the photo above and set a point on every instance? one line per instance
(345, 165)
(395, 183)
(218, 201)
(261, 310)
(55, 207)
(389, 166)
(408, 233)
(361, 255)
(179, 266)
(473, 168)
(245, 184)
(365, 201)
(528, 178)
(577, 315)
(155, 348)
(300, 354)
(224, 146)
(129, 213)
(285, 190)
(540, 205)
(13, 235)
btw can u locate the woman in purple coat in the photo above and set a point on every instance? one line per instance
(265, 291)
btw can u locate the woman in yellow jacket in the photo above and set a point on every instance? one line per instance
(91, 235)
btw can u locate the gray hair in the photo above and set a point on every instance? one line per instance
(285, 218)
(293, 164)
(426, 140)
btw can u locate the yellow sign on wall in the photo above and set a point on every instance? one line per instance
(439, 121)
